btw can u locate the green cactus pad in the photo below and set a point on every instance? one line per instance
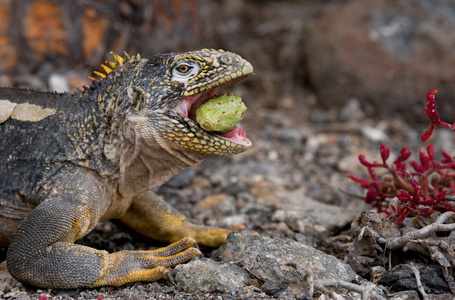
(220, 113)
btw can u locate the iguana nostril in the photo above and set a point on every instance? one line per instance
(226, 59)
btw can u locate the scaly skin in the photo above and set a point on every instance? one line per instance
(69, 161)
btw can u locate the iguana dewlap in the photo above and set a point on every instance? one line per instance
(69, 161)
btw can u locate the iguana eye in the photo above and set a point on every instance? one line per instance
(185, 71)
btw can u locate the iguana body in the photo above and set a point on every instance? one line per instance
(69, 161)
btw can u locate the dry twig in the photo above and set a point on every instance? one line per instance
(419, 283)
(366, 292)
(438, 225)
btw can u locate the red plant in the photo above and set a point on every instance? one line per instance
(419, 192)
(433, 115)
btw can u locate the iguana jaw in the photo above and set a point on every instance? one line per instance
(187, 109)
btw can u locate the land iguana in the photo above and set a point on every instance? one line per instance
(70, 161)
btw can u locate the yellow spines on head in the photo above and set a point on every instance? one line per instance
(117, 58)
(99, 74)
(106, 69)
(109, 66)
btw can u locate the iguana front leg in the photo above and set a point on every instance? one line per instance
(150, 216)
(42, 252)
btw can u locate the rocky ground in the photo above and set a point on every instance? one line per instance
(291, 193)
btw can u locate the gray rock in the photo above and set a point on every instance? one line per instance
(302, 213)
(282, 264)
(233, 220)
(402, 278)
(207, 276)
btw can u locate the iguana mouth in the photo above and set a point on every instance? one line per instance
(187, 109)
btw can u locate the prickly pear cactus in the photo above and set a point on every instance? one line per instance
(220, 113)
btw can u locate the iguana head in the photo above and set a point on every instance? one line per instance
(149, 108)
(165, 90)
(178, 83)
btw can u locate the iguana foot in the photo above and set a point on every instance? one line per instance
(147, 265)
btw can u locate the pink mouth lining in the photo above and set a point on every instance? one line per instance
(236, 135)
(187, 108)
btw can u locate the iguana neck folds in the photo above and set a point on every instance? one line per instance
(147, 160)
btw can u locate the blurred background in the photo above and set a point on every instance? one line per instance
(314, 58)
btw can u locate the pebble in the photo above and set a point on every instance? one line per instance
(374, 134)
(233, 220)
(213, 201)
